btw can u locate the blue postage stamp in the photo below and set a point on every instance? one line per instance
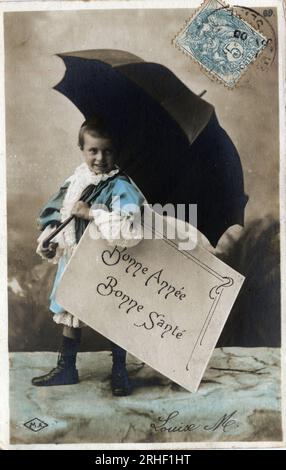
(220, 41)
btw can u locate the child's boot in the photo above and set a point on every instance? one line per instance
(120, 383)
(65, 373)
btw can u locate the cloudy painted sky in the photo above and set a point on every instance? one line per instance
(42, 125)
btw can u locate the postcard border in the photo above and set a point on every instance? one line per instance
(4, 361)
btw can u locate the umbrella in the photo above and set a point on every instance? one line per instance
(170, 141)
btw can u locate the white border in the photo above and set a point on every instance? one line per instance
(282, 178)
(59, 5)
(4, 358)
(4, 364)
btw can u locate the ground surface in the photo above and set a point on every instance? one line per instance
(238, 400)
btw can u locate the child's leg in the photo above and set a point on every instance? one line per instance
(65, 373)
(72, 333)
(70, 346)
(120, 382)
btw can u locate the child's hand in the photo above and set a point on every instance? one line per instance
(81, 209)
(50, 251)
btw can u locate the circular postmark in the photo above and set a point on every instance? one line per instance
(260, 21)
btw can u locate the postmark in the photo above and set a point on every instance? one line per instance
(221, 41)
(262, 22)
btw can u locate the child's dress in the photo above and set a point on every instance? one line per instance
(115, 203)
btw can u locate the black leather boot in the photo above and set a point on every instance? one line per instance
(120, 383)
(65, 373)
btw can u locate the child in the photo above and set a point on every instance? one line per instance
(116, 192)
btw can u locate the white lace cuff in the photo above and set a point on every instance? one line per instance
(44, 234)
(118, 228)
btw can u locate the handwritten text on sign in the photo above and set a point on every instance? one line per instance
(155, 281)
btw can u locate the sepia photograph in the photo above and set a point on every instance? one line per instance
(143, 218)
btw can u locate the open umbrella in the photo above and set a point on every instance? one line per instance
(170, 141)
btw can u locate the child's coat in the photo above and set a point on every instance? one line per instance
(121, 200)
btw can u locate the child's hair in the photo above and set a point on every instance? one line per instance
(94, 126)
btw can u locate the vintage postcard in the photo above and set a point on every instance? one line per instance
(142, 224)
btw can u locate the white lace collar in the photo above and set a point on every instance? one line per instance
(81, 178)
(82, 172)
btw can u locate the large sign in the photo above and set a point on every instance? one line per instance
(164, 305)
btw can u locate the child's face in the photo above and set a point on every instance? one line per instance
(98, 154)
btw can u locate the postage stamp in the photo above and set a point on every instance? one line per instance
(221, 42)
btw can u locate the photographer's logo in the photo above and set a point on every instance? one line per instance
(35, 425)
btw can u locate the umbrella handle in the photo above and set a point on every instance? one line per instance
(52, 235)
(84, 197)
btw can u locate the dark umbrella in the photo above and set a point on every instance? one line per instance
(170, 141)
